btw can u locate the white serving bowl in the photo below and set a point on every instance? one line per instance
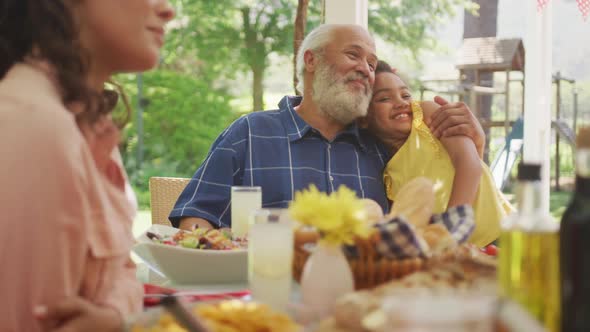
(185, 266)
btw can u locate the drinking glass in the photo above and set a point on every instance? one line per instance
(270, 255)
(244, 200)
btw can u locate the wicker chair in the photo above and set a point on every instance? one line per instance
(163, 194)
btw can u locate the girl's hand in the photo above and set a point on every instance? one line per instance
(456, 119)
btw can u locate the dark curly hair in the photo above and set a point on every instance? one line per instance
(384, 67)
(46, 30)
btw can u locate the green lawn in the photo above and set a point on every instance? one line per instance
(558, 202)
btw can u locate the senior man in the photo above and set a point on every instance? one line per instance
(309, 139)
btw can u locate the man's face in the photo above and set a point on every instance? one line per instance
(352, 52)
(344, 76)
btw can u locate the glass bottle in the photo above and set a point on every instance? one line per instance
(529, 252)
(574, 237)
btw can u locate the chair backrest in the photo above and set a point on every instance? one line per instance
(164, 192)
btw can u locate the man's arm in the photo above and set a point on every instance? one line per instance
(456, 119)
(206, 198)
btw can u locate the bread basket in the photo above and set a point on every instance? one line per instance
(368, 267)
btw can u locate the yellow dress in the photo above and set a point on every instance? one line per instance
(424, 155)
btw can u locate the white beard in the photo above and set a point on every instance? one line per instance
(335, 99)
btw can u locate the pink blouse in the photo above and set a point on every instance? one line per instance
(66, 230)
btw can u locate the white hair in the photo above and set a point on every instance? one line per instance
(315, 41)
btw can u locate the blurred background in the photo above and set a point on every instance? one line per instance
(226, 58)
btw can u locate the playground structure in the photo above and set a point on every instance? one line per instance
(491, 55)
(480, 56)
(562, 129)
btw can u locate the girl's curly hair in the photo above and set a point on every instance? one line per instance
(384, 67)
(46, 30)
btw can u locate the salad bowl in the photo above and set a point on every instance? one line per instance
(190, 266)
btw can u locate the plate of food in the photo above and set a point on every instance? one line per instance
(227, 315)
(203, 256)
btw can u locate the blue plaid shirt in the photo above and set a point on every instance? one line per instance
(278, 151)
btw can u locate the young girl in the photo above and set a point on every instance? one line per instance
(66, 218)
(452, 163)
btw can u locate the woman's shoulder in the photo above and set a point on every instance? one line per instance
(31, 107)
(45, 133)
(58, 124)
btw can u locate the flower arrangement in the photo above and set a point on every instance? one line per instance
(338, 217)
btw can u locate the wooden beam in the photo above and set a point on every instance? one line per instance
(537, 113)
(498, 123)
(507, 103)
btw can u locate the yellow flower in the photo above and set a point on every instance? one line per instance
(338, 217)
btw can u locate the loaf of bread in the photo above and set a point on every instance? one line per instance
(415, 202)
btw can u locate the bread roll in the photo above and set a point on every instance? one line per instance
(438, 238)
(373, 210)
(351, 308)
(415, 202)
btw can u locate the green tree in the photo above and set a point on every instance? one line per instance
(409, 25)
(229, 36)
(183, 116)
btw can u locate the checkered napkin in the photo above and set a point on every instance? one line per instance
(398, 238)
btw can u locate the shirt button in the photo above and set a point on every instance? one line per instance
(331, 178)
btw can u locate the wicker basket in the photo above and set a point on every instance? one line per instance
(368, 267)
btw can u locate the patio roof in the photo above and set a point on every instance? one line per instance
(491, 54)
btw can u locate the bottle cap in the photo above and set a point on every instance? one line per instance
(583, 138)
(529, 171)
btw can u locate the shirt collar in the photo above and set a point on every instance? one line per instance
(297, 128)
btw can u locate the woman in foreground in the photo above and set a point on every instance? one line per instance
(66, 220)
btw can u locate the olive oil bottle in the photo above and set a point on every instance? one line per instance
(575, 245)
(529, 252)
